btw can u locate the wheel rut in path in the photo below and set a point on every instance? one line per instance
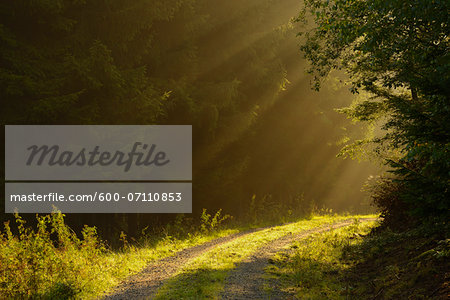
(144, 284)
(246, 281)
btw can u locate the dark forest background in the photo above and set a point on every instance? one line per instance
(264, 142)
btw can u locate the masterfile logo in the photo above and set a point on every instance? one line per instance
(95, 152)
(98, 169)
(53, 156)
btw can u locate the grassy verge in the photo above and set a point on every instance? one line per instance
(413, 264)
(349, 263)
(51, 262)
(314, 268)
(204, 276)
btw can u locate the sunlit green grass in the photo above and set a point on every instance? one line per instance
(204, 277)
(131, 261)
(314, 270)
(51, 262)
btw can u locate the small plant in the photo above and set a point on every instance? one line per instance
(181, 227)
(123, 239)
(209, 223)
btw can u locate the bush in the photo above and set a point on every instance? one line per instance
(386, 194)
(48, 262)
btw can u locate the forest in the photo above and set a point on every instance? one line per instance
(313, 112)
(231, 70)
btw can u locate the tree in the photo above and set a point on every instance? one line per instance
(397, 52)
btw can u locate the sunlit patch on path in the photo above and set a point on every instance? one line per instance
(145, 283)
(231, 267)
(247, 280)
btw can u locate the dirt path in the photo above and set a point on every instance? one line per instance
(146, 283)
(246, 281)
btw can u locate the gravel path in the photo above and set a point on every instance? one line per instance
(144, 284)
(246, 281)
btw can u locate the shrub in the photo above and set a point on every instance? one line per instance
(386, 194)
(49, 261)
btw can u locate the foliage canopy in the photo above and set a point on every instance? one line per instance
(398, 52)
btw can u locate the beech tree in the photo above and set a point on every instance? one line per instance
(398, 53)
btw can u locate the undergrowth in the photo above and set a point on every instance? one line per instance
(356, 262)
(51, 262)
(313, 265)
(412, 264)
(204, 276)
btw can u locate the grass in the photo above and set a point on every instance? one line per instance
(204, 276)
(356, 263)
(413, 264)
(52, 262)
(314, 267)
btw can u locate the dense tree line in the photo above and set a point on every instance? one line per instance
(229, 68)
(397, 52)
